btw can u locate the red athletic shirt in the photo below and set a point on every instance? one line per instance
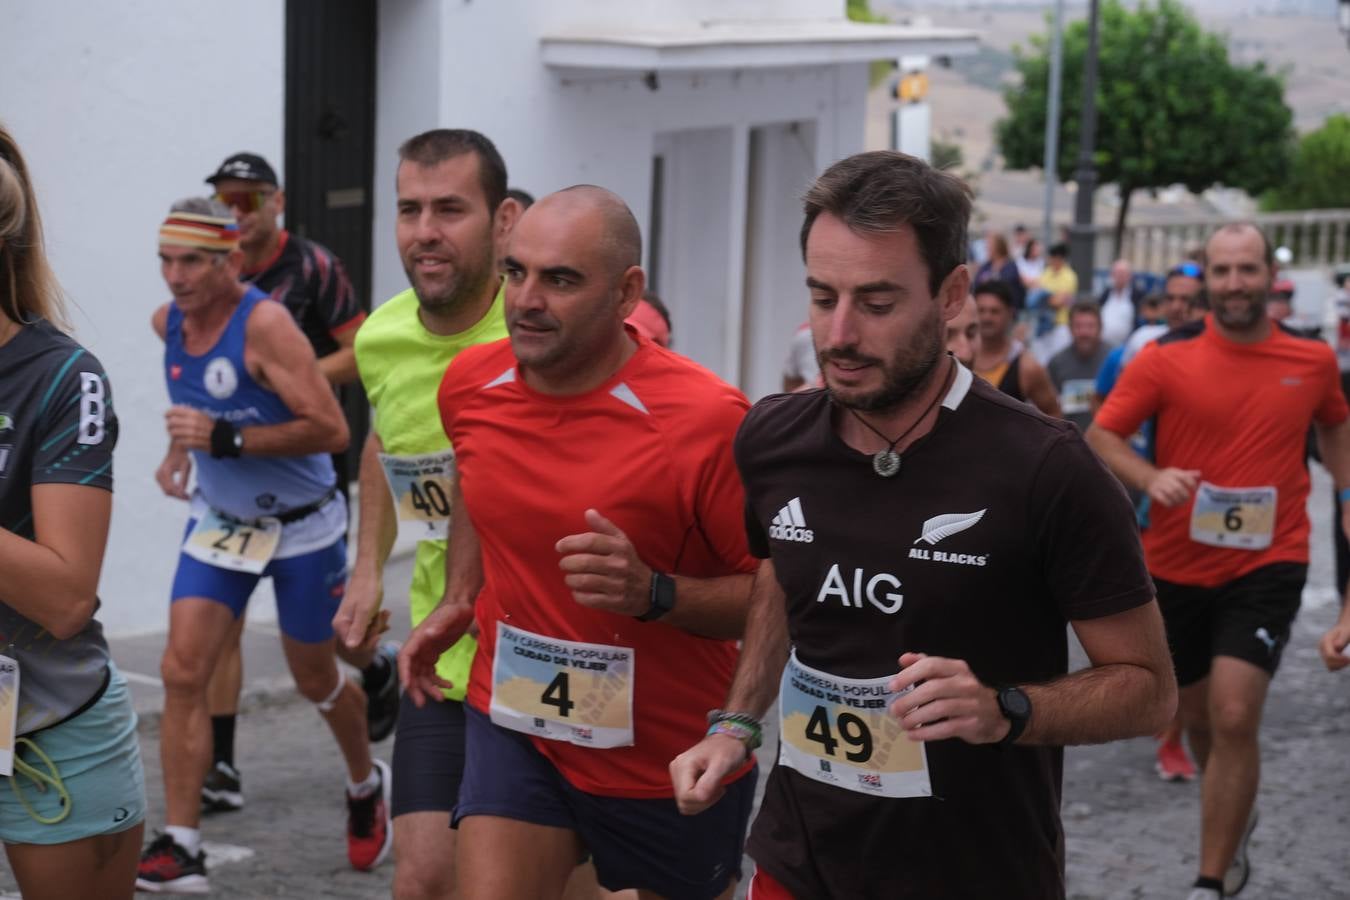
(650, 449)
(1239, 413)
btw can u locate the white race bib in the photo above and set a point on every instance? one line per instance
(562, 690)
(838, 731)
(219, 540)
(1238, 518)
(9, 712)
(420, 486)
(1075, 397)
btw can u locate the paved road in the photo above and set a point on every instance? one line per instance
(1128, 834)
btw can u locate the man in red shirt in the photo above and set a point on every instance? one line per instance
(1233, 396)
(597, 542)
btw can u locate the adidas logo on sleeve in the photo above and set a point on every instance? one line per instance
(790, 524)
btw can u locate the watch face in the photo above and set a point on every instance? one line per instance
(1014, 702)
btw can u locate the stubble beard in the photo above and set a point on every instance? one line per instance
(909, 370)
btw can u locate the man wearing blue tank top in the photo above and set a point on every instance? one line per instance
(254, 416)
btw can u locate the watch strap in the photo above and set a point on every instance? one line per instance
(225, 440)
(662, 597)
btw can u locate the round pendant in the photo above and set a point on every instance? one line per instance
(886, 463)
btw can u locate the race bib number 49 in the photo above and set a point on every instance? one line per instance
(562, 690)
(1240, 518)
(421, 489)
(838, 731)
(218, 540)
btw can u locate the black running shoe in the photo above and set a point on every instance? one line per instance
(382, 700)
(166, 868)
(222, 791)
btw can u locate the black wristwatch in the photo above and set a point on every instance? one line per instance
(226, 440)
(1016, 708)
(662, 597)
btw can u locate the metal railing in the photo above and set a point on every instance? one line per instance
(1318, 238)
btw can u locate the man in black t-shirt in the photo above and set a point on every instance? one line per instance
(911, 517)
(305, 277)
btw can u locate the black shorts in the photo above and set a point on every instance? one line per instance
(1247, 618)
(428, 757)
(635, 843)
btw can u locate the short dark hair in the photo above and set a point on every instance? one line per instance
(657, 304)
(431, 148)
(521, 196)
(879, 191)
(1059, 249)
(997, 288)
(1086, 307)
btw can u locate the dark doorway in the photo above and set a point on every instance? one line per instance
(330, 147)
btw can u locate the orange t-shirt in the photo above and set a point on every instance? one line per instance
(1239, 413)
(650, 449)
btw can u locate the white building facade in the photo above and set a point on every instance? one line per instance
(710, 117)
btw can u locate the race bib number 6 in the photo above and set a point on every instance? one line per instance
(218, 540)
(838, 731)
(420, 486)
(1240, 518)
(562, 690)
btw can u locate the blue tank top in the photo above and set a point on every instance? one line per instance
(218, 383)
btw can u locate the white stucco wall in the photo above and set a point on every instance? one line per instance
(121, 108)
(554, 132)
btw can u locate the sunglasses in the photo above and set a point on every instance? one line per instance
(244, 201)
(1189, 269)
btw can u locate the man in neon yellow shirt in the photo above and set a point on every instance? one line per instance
(452, 213)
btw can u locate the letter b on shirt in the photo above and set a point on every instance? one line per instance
(92, 408)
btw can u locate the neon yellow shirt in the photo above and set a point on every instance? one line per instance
(401, 366)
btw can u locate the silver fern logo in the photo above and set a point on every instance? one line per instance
(948, 524)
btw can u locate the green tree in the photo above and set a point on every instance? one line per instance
(1319, 176)
(1171, 107)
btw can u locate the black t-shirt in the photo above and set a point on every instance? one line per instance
(1000, 527)
(56, 427)
(311, 282)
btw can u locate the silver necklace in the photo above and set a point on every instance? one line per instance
(886, 463)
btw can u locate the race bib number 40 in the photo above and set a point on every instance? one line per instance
(838, 731)
(218, 540)
(1240, 518)
(562, 690)
(421, 489)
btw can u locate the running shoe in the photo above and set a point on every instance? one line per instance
(1174, 763)
(382, 700)
(166, 868)
(1240, 869)
(1204, 894)
(222, 790)
(370, 830)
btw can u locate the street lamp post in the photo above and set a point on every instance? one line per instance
(1081, 239)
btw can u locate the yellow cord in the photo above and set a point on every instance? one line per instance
(42, 780)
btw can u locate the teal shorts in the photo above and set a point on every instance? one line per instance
(97, 758)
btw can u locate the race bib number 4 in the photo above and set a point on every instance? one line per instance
(420, 486)
(562, 690)
(838, 731)
(1240, 518)
(218, 540)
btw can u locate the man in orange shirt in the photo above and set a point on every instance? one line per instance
(597, 540)
(1233, 396)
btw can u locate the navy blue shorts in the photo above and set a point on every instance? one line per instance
(309, 588)
(635, 843)
(428, 757)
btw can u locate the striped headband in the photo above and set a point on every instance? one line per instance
(214, 233)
